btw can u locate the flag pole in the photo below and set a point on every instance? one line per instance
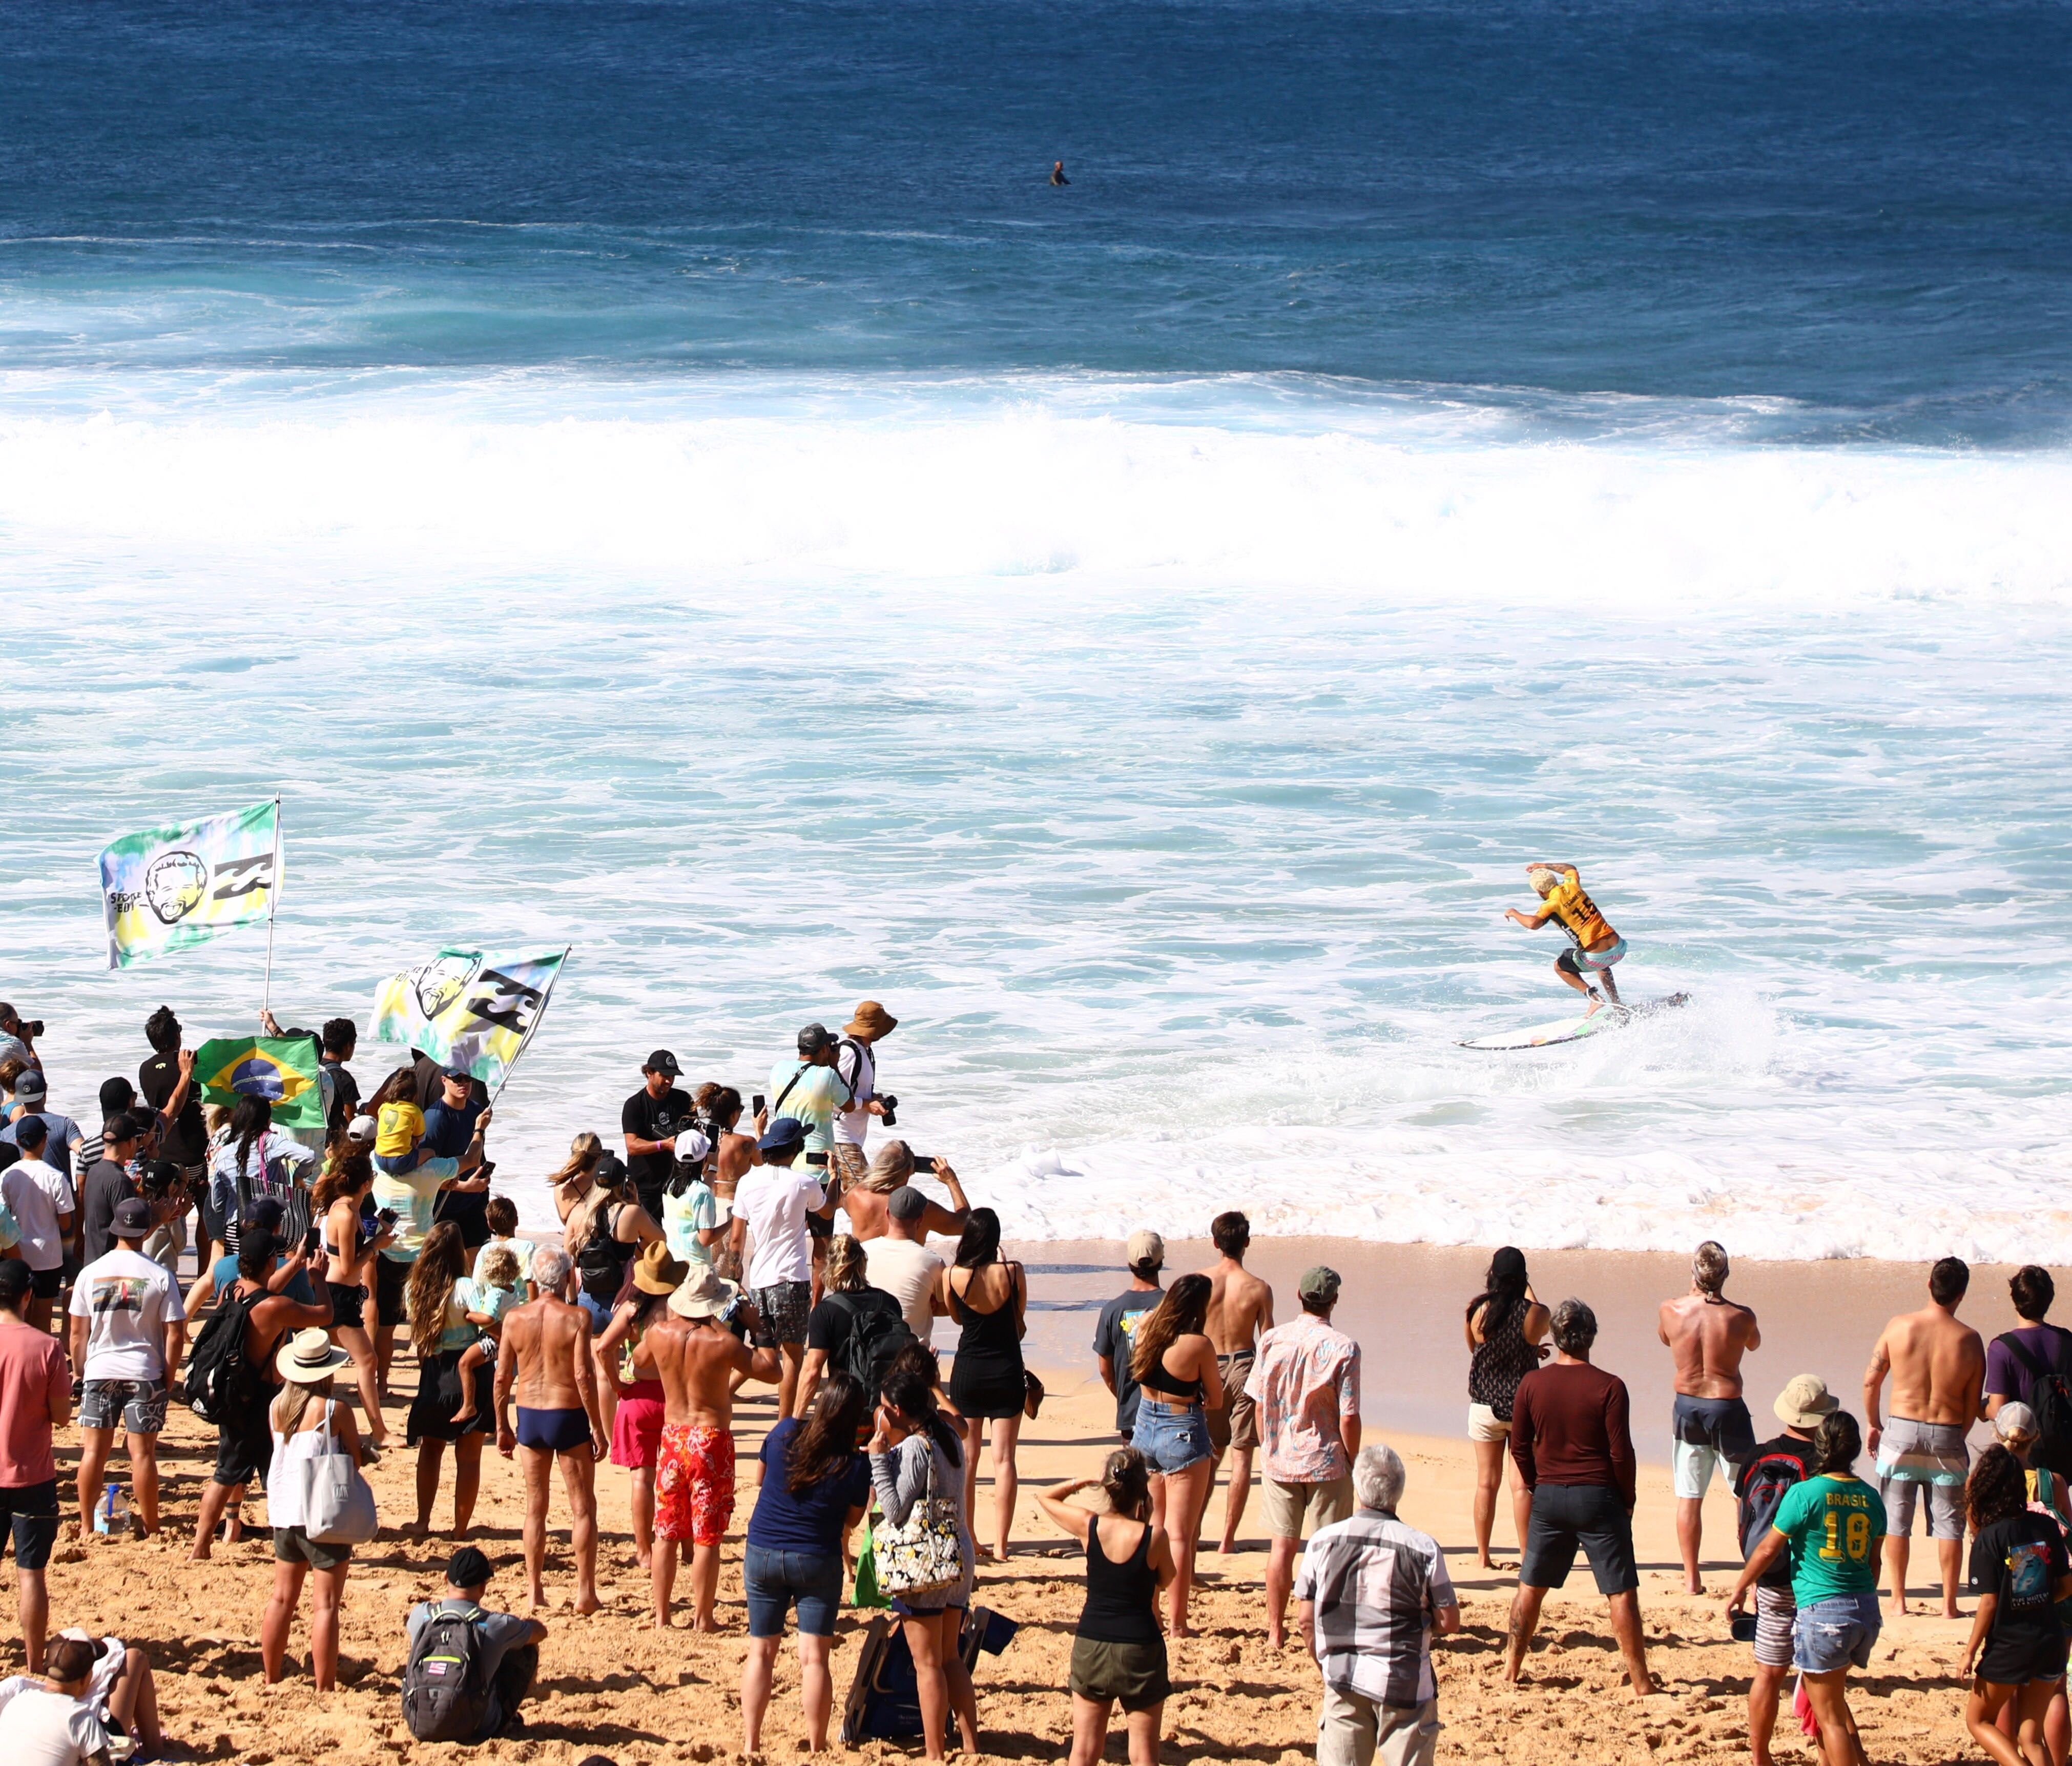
(272, 908)
(525, 1041)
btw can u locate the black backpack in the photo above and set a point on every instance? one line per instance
(2052, 1402)
(1759, 1492)
(445, 1693)
(219, 1382)
(877, 1333)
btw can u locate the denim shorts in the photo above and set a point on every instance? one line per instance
(1171, 1436)
(774, 1579)
(1836, 1632)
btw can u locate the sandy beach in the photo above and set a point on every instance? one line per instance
(612, 1685)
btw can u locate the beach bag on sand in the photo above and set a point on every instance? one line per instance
(338, 1503)
(884, 1701)
(445, 1694)
(219, 1382)
(2051, 1400)
(926, 1554)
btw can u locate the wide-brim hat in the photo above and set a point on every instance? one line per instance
(704, 1293)
(310, 1359)
(871, 1019)
(1805, 1401)
(657, 1272)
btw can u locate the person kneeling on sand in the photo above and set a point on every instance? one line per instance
(1572, 1441)
(506, 1646)
(1371, 1591)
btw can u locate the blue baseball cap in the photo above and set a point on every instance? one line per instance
(786, 1135)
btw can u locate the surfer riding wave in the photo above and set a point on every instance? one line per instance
(1593, 946)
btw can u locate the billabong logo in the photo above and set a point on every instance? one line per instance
(235, 877)
(438, 983)
(175, 884)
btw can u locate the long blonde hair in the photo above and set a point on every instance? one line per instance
(584, 1150)
(847, 1271)
(293, 1403)
(431, 1285)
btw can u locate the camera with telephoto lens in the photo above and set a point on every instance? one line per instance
(32, 1028)
(891, 1104)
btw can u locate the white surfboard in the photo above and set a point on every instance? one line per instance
(1576, 1029)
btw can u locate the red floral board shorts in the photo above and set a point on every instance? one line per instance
(694, 1484)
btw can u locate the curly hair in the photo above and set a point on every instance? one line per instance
(1996, 1489)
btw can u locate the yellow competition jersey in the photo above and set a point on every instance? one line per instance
(398, 1129)
(1576, 912)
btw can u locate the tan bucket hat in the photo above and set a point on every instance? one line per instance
(703, 1294)
(871, 1019)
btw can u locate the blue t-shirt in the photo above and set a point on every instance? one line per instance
(447, 1130)
(298, 1289)
(807, 1521)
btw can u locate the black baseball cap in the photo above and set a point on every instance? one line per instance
(133, 1218)
(469, 1567)
(457, 1069)
(662, 1062)
(814, 1038)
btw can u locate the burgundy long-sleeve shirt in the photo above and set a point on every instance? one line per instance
(1568, 1424)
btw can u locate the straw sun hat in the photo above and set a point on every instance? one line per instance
(310, 1359)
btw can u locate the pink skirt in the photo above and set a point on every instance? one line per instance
(636, 1430)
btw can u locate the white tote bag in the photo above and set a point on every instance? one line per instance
(338, 1503)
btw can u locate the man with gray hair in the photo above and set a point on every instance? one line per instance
(1572, 1440)
(1371, 1591)
(1707, 1334)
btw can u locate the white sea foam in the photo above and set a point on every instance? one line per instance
(1163, 754)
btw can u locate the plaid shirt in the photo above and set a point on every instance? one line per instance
(1375, 1584)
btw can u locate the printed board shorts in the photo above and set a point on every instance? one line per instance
(1484, 1424)
(1776, 1611)
(1917, 1457)
(1836, 1632)
(30, 1513)
(783, 1308)
(1236, 1425)
(1600, 960)
(1591, 1516)
(1704, 1433)
(694, 1484)
(140, 1405)
(1287, 1506)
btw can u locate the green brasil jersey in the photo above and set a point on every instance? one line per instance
(1832, 1524)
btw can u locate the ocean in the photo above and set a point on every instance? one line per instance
(678, 480)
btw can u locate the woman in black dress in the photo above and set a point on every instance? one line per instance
(989, 1300)
(443, 1324)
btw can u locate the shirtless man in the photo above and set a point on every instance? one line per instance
(546, 1355)
(1240, 1307)
(696, 1358)
(1937, 1368)
(868, 1202)
(1707, 1334)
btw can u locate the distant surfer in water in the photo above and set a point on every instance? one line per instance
(1593, 946)
(1058, 173)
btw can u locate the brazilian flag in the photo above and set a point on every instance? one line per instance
(284, 1070)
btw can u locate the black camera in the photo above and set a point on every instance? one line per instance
(890, 1117)
(32, 1028)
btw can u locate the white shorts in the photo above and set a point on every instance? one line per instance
(1694, 1467)
(1484, 1424)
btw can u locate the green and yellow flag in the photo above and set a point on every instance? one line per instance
(477, 1007)
(168, 889)
(285, 1070)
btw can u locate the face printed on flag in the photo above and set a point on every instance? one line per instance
(468, 1006)
(171, 888)
(284, 1070)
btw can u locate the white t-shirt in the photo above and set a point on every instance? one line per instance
(774, 1199)
(129, 1298)
(907, 1272)
(38, 1193)
(852, 1127)
(39, 1728)
(520, 1248)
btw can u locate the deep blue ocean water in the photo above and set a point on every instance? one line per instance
(677, 478)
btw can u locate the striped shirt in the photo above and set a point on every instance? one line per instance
(1375, 1584)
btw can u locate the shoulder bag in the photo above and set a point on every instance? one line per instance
(926, 1553)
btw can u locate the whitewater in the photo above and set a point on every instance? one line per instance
(1163, 751)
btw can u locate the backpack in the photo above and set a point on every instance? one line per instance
(2052, 1403)
(878, 1332)
(219, 1380)
(445, 1694)
(1761, 1491)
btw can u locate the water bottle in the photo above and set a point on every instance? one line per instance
(111, 1514)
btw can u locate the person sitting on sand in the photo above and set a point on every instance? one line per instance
(2021, 1573)
(1118, 1651)
(508, 1647)
(696, 1356)
(1572, 1441)
(1937, 1368)
(1372, 1593)
(1831, 1525)
(1707, 1334)
(1505, 1324)
(1761, 1484)
(544, 1358)
(50, 1719)
(1593, 947)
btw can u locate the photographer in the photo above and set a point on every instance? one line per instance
(18, 1038)
(856, 1064)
